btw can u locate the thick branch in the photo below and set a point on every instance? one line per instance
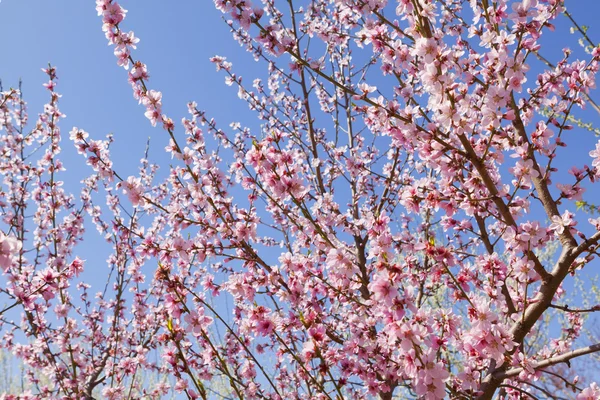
(551, 361)
(537, 308)
(541, 186)
(502, 207)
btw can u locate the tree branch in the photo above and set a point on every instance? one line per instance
(575, 310)
(551, 361)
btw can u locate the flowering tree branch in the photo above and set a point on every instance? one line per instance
(563, 358)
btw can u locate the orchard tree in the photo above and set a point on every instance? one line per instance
(407, 221)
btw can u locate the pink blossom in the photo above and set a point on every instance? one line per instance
(524, 172)
(559, 223)
(10, 248)
(383, 291)
(591, 392)
(112, 13)
(197, 322)
(132, 187)
(524, 10)
(427, 49)
(596, 155)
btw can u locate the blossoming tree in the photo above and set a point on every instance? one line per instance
(386, 232)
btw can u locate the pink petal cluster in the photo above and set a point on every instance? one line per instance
(10, 249)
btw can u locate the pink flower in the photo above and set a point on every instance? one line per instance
(317, 332)
(524, 10)
(596, 155)
(122, 54)
(383, 291)
(524, 171)
(77, 135)
(112, 13)
(62, 310)
(560, 223)
(138, 71)
(265, 327)
(132, 187)
(432, 377)
(152, 99)
(182, 247)
(172, 306)
(153, 115)
(427, 49)
(308, 350)
(338, 261)
(181, 385)
(591, 392)
(196, 322)
(9, 249)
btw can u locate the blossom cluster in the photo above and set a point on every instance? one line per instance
(124, 42)
(9, 250)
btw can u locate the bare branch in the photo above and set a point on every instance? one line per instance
(575, 310)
